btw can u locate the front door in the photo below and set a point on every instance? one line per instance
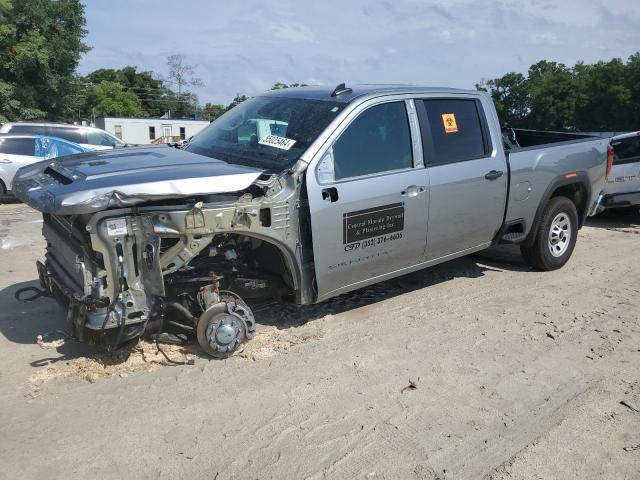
(468, 177)
(166, 133)
(368, 201)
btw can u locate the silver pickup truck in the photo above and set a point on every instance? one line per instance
(302, 195)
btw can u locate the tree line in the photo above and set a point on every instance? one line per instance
(41, 43)
(604, 96)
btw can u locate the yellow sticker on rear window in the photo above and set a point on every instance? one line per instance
(450, 124)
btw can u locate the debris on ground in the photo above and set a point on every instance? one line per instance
(142, 356)
(271, 340)
(412, 386)
(146, 356)
(47, 340)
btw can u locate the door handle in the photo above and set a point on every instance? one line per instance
(330, 194)
(494, 174)
(6, 161)
(412, 191)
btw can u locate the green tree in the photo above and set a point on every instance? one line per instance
(632, 82)
(605, 100)
(604, 96)
(280, 85)
(237, 101)
(155, 98)
(510, 95)
(111, 98)
(40, 46)
(211, 111)
(553, 95)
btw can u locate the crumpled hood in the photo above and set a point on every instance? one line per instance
(95, 181)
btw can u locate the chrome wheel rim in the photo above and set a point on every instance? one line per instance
(559, 235)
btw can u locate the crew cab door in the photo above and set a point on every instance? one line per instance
(368, 198)
(468, 175)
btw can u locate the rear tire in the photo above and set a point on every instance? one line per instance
(555, 237)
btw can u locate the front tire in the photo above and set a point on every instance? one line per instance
(555, 237)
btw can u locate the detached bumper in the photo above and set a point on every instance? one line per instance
(620, 200)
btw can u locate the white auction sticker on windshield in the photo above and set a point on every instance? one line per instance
(282, 143)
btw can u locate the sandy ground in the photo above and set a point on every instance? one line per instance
(479, 368)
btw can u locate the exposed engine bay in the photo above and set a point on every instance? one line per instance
(180, 273)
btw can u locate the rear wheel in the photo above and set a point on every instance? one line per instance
(555, 236)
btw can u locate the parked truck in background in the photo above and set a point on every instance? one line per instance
(346, 188)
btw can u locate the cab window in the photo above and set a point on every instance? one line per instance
(377, 141)
(455, 129)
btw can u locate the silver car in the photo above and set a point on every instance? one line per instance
(300, 195)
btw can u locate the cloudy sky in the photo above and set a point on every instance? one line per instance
(246, 46)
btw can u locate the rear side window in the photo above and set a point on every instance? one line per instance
(18, 146)
(27, 129)
(69, 134)
(626, 150)
(455, 129)
(377, 141)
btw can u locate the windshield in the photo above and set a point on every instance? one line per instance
(265, 132)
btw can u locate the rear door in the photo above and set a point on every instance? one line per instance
(368, 199)
(468, 175)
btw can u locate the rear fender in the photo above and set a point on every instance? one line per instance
(555, 188)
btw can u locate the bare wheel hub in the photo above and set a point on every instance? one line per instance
(559, 234)
(225, 331)
(224, 326)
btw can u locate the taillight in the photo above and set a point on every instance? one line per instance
(610, 155)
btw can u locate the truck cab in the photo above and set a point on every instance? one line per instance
(404, 180)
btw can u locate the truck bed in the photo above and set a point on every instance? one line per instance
(534, 159)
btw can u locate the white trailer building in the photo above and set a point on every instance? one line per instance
(150, 130)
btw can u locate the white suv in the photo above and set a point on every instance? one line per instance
(93, 138)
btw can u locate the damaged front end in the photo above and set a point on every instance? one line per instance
(171, 242)
(172, 265)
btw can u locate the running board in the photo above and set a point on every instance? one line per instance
(513, 238)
